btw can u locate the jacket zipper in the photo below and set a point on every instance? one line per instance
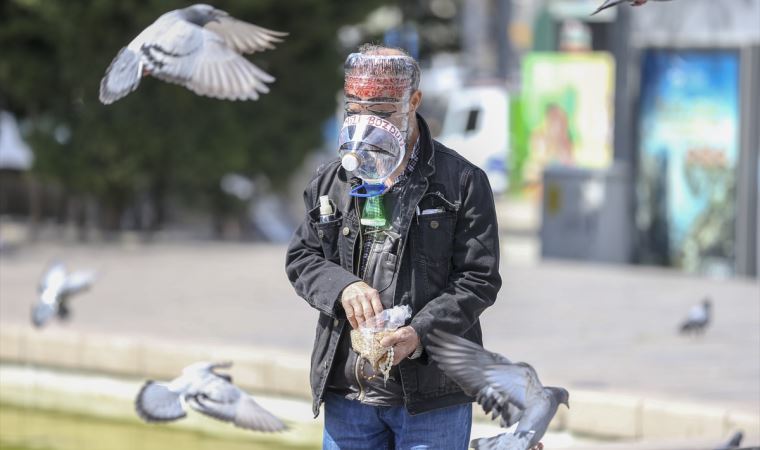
(358, 263)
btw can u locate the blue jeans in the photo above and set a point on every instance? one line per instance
(351, 425)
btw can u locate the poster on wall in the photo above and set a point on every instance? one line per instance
(688, 151)
(564, 114)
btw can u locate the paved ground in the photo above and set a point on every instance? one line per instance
(581, 326)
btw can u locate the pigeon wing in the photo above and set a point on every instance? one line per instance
(172, 53)
(607, 4)
(122, 76)
(224, 401)
(470, 365)
(504, 441)
(157, 403)
(462, 359)
(244, 37)
(54, 277)
(126, 70)
(518, 381)
(79, 281)
(252, 416)
(222, 73)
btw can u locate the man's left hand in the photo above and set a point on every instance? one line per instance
(404, 342)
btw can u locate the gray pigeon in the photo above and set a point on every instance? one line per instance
(611, 3)
(55, 290)
(208, 392)
(511, 391)
(199, 47)
(698, 319)
(733, 443)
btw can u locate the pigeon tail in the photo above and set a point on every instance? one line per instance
(122, 76)
(505, 441)
(157, 403)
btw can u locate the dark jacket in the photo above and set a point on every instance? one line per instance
(448, 274)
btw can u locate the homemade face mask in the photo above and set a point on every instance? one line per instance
(376, 117)
(371, 148)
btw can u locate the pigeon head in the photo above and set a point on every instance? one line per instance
(561, 395)
(201, 14)
(41, 313)
(707, 303)
(198, 367)
(205, 367)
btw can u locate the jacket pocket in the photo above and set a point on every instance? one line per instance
(430, 381)
(435, 222)
(328, 233)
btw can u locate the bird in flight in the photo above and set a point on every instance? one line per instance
(199, 47)
(511, 391)
(56, 288)
(207, 391)
(611, 3)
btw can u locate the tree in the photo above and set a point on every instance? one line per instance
(163, 140)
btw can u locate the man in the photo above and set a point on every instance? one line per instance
(406, 221)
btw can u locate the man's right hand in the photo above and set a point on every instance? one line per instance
(360, 302)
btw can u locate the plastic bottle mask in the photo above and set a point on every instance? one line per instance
(372, 142)
(371, 148)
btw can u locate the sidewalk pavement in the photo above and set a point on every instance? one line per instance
(606, 333)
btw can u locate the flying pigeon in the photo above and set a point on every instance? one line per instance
(55, 290)
(511, 391)
(698, 318)
(199, 47)
(611, 3)
(208, 392)
(733, 443)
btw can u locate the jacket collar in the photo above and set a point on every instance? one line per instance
(427, 158)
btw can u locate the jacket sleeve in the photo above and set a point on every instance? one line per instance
(317, 280)
(474, 280)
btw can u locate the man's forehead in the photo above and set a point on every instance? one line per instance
(376, 88)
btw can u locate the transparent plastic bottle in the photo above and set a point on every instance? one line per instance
(326, 213)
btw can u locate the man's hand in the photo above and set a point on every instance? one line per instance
(538, 446)
(360, 302)
(404, 341)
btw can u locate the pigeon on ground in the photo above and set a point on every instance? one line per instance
(55, 290)
(698, 319)
(199, 47)
(208, 392)
(734, 443)
(511, 391)
(611, 3)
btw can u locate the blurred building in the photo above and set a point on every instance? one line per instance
(637, 116)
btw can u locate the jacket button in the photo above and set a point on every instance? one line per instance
(346, 231)
(321, 234)
(336, 322)
(434, 224)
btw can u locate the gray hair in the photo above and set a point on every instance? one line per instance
(373, 59)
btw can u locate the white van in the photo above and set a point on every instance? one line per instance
(476, 125)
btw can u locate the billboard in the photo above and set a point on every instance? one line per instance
(688, 151)
(564, 113)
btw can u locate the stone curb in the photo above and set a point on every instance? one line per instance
(284, 373)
